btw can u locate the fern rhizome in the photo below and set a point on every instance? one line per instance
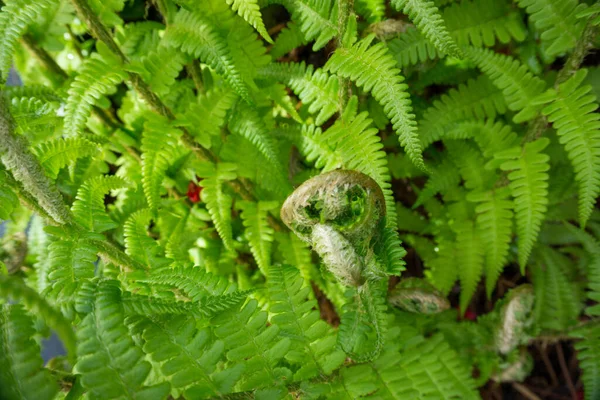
(299, 199)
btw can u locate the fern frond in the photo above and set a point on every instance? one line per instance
(494, 225)
(317, 19)
(89, 209)
(529, 187)
(391, 251)
(372, 10)
(313, 341)
(412, 48)
(158, 139)
(480, 22)
(556, 299)
(139, 245)
(187, 356)
(470, 252)
(248, 339)
(107, 11)
(572, 113)
(15, 17)
(250, 11)
(14, 289)
(98, 76)
(136, 38)
(207, 116)
(70, 263)
(195, 35)
(8, 199)
(557, 21)
(55, 154)
(520, 87)
(217, 201)
(364, 321)
(258, 231)
(313, 87)
(427, 18)
(288, 39)
(107, 371)
(22, 375)
(443, 178)
(374, 69)
(159, 68)
(468, 159)
(588, 354)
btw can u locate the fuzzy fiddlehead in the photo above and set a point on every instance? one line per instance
(341, 215)
(516, 317)
(418, 296)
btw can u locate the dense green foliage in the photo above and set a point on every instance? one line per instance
(214, 199)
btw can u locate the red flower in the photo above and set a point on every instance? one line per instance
(193, 192)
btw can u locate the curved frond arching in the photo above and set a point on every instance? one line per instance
(317, 19)
(572, 112)
(89, 209)
(427, 18)
(250, 11)
(106, 370)
(557, 21)
(520, 87)
(411, 48)
(529, 187)
(139, 245)
(374, 69)
(58, 153)
(15, 17)
(195, 35)
(98, 76)
(22, 376)
(258, 231)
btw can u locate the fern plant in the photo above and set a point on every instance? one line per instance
(298, 199)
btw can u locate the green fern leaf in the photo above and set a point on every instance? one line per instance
(22, 375)
(288, 39)
(519, 86)
(374, 69)
(588, 354)
(427, 18)
(15, 290)
(477, 99)
(557, 305)
(480, 22)
(372, 10)
(469, 250)
(557, 21)
(250, 11)
(15, 17)
(8, 199)
(313, 342)
(494, 226)
(250, 340)
(98, 76)
(107, 11)
(187, 356)
(195, 35)
(158, 140)
(412, 48)
(572, 113)
(89, 209)
(529, 187)
(258, 231)
(313, 87)
(317, 19)
(159, 68)
(139, 245)
(217, 201)
(206, 117)
(55, 154)
(107, 371)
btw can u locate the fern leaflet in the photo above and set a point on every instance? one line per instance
(258, 231)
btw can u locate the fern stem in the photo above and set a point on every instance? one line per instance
(573, 63)
(44, 58)
(25, 168)
(195, 73)
(345, 7)
(27, 200)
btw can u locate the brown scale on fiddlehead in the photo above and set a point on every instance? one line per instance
(340, 214)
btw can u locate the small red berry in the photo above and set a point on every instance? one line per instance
(193, 192)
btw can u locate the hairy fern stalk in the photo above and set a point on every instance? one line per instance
(216, 199)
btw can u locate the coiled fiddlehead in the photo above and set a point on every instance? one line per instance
(418, 296)
(341, 214)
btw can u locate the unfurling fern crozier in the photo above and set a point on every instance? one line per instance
(340, 214)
